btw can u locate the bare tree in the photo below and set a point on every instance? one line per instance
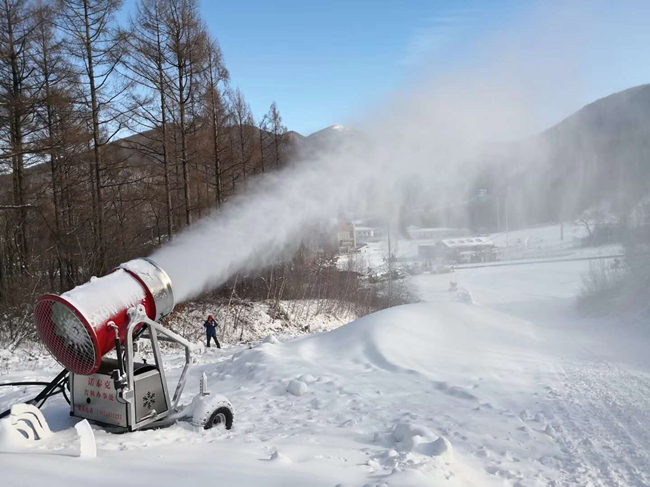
(264, 134)
(590, 219)
(186, 34)
(75, 198)
(195, 121)
(217, 75)
(16, 28)
(242, 123)
(98, 47)
(58, 119)
(149, 44)
(278, 132)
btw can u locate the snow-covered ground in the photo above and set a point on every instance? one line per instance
(509, 387)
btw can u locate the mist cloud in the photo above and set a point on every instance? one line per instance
(432, 135)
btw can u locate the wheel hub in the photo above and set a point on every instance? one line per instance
(219, 419)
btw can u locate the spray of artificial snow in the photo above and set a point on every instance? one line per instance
(370, 171)
(421, 144)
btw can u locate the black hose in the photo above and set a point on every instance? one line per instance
(59, 389)
(65, 396)
(25, 384)
(56, 386)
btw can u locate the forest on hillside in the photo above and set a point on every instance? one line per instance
(114, 136)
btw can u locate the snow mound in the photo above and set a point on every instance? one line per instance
(280, 458)
(550, 431)
(10, 438)
(271, 339)
(463, 295)
(406, 431)
(446, 342)
(419, 439)
(297, 388)
(442, 339)
(87, 445)
(307, 378)
(438, 448)
(410, 367)
(525, 415)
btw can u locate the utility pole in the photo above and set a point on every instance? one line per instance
(390, 269)
(498, 214)
(507, 227)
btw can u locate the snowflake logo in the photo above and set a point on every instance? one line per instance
(149, 399)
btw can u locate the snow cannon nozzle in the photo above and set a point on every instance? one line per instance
(79, 326)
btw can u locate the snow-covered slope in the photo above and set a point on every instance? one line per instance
(512, 389)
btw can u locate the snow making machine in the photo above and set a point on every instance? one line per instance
(113, 313)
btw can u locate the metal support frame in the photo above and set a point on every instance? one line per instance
(138, 316)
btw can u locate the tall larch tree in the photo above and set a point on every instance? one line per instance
(97, 46)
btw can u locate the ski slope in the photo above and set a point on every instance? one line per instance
(513, 388)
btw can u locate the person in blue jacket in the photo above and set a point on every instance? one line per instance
(211, 331)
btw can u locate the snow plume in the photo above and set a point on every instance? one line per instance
(424, 142)
(368, 172)
(260, 225)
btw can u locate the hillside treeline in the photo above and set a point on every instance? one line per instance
(113, 137)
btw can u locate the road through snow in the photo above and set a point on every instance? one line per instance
(514, 389)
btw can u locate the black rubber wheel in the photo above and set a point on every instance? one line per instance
(221, 417)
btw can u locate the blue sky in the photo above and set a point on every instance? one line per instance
(325, 62)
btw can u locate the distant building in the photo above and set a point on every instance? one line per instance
(364, 234)
(434, 233)
(458, 250)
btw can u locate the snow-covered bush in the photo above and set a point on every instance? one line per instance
(16, 326)
(247, 321)
(622, 284)
(603, 280)
(637, 256)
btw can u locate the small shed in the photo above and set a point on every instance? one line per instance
(459, 250)
(364, 234)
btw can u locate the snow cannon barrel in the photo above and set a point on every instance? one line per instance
(77, 326)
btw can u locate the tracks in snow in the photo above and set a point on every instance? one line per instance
(602, 418)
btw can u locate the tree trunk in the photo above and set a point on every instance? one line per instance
(16, 128)
(276, 143)
(242, 149)
(261, 150)
(99, 216)
(60, 249)
(163, 122)
(215, 141)
(186, 175)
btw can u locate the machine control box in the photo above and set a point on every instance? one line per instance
(94, 396)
